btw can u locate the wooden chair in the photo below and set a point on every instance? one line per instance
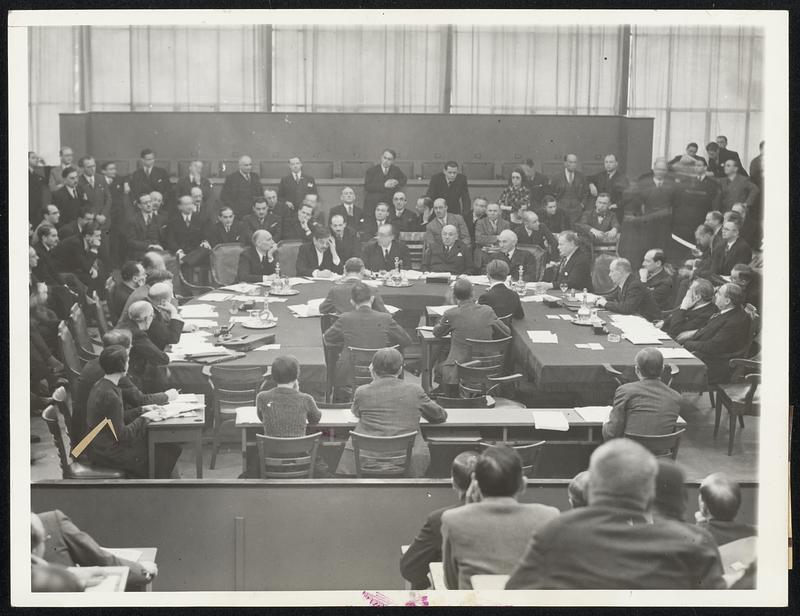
(69, 352)
(664, 446)
(191, 288)
(739, 399)
(444, 450)
(360, 360)
(413, 240)
(224, 263)
(529, 452)
(668, 374)
(287, 458)
(232, 387)
(71, 469)
(287, 256)
(88, 347)
(101, 309)
(331, 355)
(485, 373)
(383, 456)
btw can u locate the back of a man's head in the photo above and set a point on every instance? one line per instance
(159, 291)
(462, 468)
(156, 276)
(498, 472)
(497, 269)
(120, 337)
(722, 496)
(139, 311)
(462, 289)
(650, 363)
(577, 490)
(153, 260)
(353, 265)
(360, 293)
(387, 362)
(622, 473)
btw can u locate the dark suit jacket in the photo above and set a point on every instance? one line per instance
(648, 407)
(503, 301)
(68, 230)
(116, 300)
(251, 268)
(543, 238)
(294, 192)
(291, 229)
(71, 256)
(270, 223)
(307, 260)
(353, 222)
(633, 298)
(591, 220)
(738, 190)
(687, 320)
(375, 262)
(518, 258)
(570, 197)
(239, 193)
(617, 186)
(338, 298)
(725, 154)
(185, 185)
(407, 221)
(757, 171)
(660, 286)
(470, 222)
(725, 532)
(38, 196)
(424, 550)
(647, 198)
(739, 252)
(46, 270)
(539, 185)
(216, 234)
(695, 199)
(119, 201)
(348, 245)
(374, 189)
(458, 259)
(724, 334)
(67, 205)
(456, 195)
(576, 272)
(164, 331)
(614, 545)
(140, 184)
(145, 357)
(180, 237)
(99, 197)
(68, 545)
(558, 222)
(138, 235)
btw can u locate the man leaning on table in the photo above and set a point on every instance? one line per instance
(629, 296)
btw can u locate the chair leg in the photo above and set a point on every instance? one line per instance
(741, 421)
(732, 422)
(711, 397)
(717, 414)
(215, 440)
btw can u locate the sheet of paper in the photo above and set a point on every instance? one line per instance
(188, 398)
(554, 316)
(268, 347)
(594, 413)
(297, 280)
(112, 582)
(333, 278)
(198, 311)
(440, 310)
(217, 297)
(437, 275)
(543, 336)
(566, 317)
(426, 328)
(595, 346)
(200, 322)
(240, 287)
(550, 420)
(305, 310)
(676, 353)
(125, 553)
(391, 309)
(636, 338)
(683, 242)
(481, 280)
(550, 298)
(533, 298)
(246, 414)
(413, 274)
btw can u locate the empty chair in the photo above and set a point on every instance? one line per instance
(224, 260)
(739, 399)
(193, 288)
(529, 452)
(287, 458)
(664, 446)
(383, 456)
(88, 347)
(287, 256)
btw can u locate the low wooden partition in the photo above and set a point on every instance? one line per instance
(275, 535)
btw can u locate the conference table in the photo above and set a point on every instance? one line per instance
(560, 367)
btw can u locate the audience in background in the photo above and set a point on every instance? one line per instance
(534, 233)
(516, 197)
(241, 187)
(488, 228)
(381, 182)
(353, 215)
(262, 218)
(553, 216)
(441, 218)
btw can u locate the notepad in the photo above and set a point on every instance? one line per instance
(597, 414)
(440, 310)
(550, 420)
(676, 353)
(544, 337)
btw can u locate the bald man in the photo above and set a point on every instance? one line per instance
(654, 192)
(514, 258)
(615, 543)
(148, 178)
(185, 235)
(241, 188)
(452, 255)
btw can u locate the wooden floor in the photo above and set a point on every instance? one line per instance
(700, 454)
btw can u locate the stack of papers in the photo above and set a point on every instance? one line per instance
(195, 343)
(310, 309)
(594, 413)
(241, 287)
(542, 336)
(174, 409)
(592, 346)
(638, 330)
(200, 322)
(676, 353)
(198, 311)
(438, 275)
(216, 296)
(550, 420)
(440, 310)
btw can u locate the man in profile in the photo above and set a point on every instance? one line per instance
(451, 186)
(656, 278)
(615, 543)
(629, 295)
(574, 268)
(296, 185)
(488, 537)
(452, 255)
(241, 188)
(648, 406)
(339, 295)
(498, 296)
(719, 500)
(132, 277)
(695, 310)
(258, 259)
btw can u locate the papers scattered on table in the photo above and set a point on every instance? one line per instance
(187, 398)
(200, 322)
(590, 297)
(440, 310)
(198, 311)
(683, 242)
(195, 343)
(217, 297)
(268, 347)
(566, 317)
(550, 420)
(413, 274)
(542, 336)
(179, 409)
(676, 353)
(482, 280)
(592, 346)
(297, 280)
(240, 287)
(391, 309)
(641, 338)
(594, 413)
(638, 330)
(309, 309)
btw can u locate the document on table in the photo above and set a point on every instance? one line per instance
(554, 316)
(296, 280)
(440, 310)
(217, 297)
(268, 347)
(533, 298)
(443, 276)
(592, 346)
(391, 309)
(641, 338)
(676, 353)
(124, 553)
(550, 420)
(594, 413)
(542, 336)
(306, 310)
(240, 287)
(333, 278)
(482, 280)
(246, 414)
(188, 398)
(198, 311)
(566, 317)
(200, 322)
(413, 275)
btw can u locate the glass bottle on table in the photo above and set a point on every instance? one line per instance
(278, 284)
(519, 285)
(584, 312)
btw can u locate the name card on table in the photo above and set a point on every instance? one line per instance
(550, 420)
(591, 346)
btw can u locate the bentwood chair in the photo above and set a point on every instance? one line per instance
(664, 446)
(739, 399)
(383, 456)
(224, 263)
(88, 348)
(287, 458)
(529, 452)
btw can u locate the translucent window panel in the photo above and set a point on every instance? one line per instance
(686, 127)
(736, 68)
(197, 63)
(110, 76)
(732, 124)
(51, 65)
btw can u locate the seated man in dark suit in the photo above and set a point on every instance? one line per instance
(599, 225)
(724, 335)
(353, 215)
(146, 359)
(167, 325)
(499, 297)
(514, 258)
(140, 231)
(629, 296)
(532, 232)
(63, 287)
(205, 212)
(300, 226)
(85, 217)
(488, 537)
(226, 230)
(261, 218)
(734, 249)
(148, 178)
(647, 406)
(750, 282)
(185, 236)
(719, 501)
(258, 259)
(427, 545)
(656, 278)
(466, 320)
(400, 216)
(381, 255)
(697, 307)
(319, 258)
(132, 276)
(574, 550)
(380, 217)
(364, 328)
(339, 295)
(574, 269)
(345, 238)
(84, 256)
(449, 256)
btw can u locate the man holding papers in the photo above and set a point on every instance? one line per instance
(647, 406)
(630, 296)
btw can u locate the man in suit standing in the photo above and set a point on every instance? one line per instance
(401, 217)
(719, 500)
(498, 296)
(196, 179)
(629, 296)
(66, 158)
(487, 229)
(69, 197)
(452, 255)
(185, 236)
(451, 186)
(714, 164)
(735, 188)
(319, 258)
(488, 537)
(647, 406)
(600, 225)
(381, 182)
(467, 320)
(507, 251)
(258, 259)
(534, 233)
(734, 249)
(612, 182)
(363, 328)
(204, 212)
(537, 183)
(380, 256)
(38, 192)
(656, 278)
(339, 295)
(296, 185)
(353, 215)
(695, 310)
(696, 197)
(241, 188)
(120, 209)
(656, 193)
(573, 551)
(574, 269)
(261, 218)
(725, 155)
(148, 178)
(96, 194)
(441, 218)
(226, 230)
(570, 188)
(427, 545)
(142, 233)
(725, 334)
(479, 206)
(345, 238)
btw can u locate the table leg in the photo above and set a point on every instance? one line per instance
(425, 377)
(244, 450)
(151, 458)
(198, 453)
(505, 434)
(591, 434)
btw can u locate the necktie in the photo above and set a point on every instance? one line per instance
(264, 262)
(569, 176)
(296, 177)
(561, 266)
(494, 225)
(148, 218)
(350, 210)
(227, 229)
(72, 192)
(188, 219)
(91, 181)
(147, 171)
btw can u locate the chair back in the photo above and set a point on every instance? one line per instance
(69, 351)
(383, 455)
(474, 380)
(355, 168)
(225, 263)
(445, 449)
(601, 278)
(287, 256)
(331, 355)
(540, 257)
(489, 351)
(287, 458)
(360, 360)
(413, 240)
(668, 374)
(235, 385)
(77, 322)
(100, 307)
(58, 430)
(529, 452)
(664, 446)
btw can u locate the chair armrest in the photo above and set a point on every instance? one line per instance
(753, 378)
(673, 369)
